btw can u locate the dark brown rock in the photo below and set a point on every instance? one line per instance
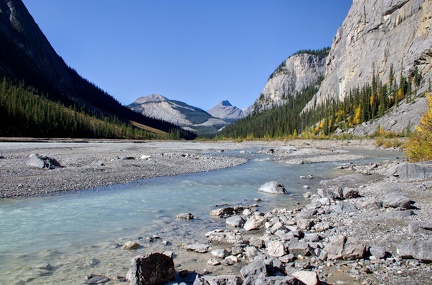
(151, 269)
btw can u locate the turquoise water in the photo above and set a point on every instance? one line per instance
(59, 239)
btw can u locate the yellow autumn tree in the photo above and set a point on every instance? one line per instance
(419, 145)
(357, 115)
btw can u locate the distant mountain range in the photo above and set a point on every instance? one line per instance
(187, 116)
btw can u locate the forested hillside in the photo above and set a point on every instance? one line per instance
(363, 104)
(26, 112)
(28, 62)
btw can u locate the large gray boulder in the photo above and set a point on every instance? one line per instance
(378, 251)
(272, 187)
(299, 248)
(151, 269)
(420, 228)
(412, 171)
(41, 161)
(396, 201)
(254, 222)
(345, 248)
(418, 249)
(276, 248)
(344, 208)
(307, 277)
(235, 221)
(256, 269)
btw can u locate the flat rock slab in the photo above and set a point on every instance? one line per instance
(412, 171)
(198, 247)
(418, 249)
(346, 248)
(307, 277)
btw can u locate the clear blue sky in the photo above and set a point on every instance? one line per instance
(197, 51)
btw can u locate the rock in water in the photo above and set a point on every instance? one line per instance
(40, 161)
(272, 187)
(95, 279)
(151, 269)
(131, 245)
(185, 216)
(235, 221)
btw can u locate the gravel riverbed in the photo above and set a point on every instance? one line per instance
(86, 165)
(371, 226)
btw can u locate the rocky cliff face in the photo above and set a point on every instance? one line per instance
(378, 34)
(296, 73)
(227, 112)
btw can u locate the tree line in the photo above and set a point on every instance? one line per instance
(276, 122)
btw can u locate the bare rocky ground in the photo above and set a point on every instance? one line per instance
(86, 165)
(371, 226)
(90, 164)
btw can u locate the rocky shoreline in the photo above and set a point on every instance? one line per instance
(370, 226)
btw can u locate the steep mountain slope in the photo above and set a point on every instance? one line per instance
(26, 55)
(293, 75)
(375, 36)
(226, 111)
(179, 113)
(374, 78)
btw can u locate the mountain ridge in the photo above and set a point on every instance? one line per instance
(227, 112)
(292, 76)
(177, 112)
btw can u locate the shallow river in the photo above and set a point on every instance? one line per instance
(60, 239)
